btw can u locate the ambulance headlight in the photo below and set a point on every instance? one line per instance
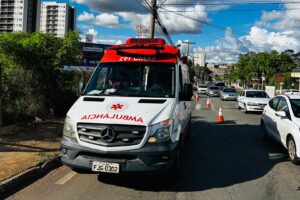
(69, 128)
(161, 131)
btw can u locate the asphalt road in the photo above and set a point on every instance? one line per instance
(220, 161)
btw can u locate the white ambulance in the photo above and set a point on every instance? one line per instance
(134, 112)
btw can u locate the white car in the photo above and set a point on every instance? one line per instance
(281, 121)
(253, 100)
(292, 91)
(202, 89)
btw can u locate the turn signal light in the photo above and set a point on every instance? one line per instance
(152, 139)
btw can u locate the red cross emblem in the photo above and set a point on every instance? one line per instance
(116, 106)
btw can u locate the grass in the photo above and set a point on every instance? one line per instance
(45, 156)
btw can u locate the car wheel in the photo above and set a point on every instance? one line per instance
(245, 109)
(292, 149)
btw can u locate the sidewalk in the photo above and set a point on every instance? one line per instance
(26, 146)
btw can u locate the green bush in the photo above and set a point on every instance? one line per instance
(33, 83)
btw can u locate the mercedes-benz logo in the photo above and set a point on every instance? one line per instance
(108, 134)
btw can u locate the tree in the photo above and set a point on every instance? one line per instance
(251, 66)
(33, 79)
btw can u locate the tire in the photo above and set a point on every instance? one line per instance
(245, 109)
(292, 149)
(238, 106)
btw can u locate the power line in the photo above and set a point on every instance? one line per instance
(145, 7)
(233, 3)
(145, 2)
(164, 30)
(202, 21)
(235, 10)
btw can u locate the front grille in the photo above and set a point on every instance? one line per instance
(262, 104)
(124, 135)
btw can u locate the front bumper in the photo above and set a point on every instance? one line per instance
(230, 98)
(214, 94)
(202, 91)
(255, 108)
(152, 157)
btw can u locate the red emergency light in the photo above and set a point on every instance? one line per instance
(145, 41)
(142, 43)
(142, 50)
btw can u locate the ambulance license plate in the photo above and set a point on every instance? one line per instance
(105, 167)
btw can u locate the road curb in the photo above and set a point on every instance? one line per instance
(29, 175)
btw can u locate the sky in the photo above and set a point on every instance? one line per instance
(222, 29)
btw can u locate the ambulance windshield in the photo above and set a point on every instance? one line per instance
(133, 79)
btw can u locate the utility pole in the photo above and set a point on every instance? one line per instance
(188, 50)
(153, 17)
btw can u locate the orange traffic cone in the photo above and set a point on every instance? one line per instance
(220, 115)
(208, 103)
(196, 98)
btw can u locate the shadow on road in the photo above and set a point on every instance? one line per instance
(215, 156)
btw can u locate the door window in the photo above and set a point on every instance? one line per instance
(283, 106)
(273, 103)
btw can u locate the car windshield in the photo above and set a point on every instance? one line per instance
(295, 103)
(220, 84)
(133, 79)
(229, 90)
(203, 86)
(256, 94)
(213, 88)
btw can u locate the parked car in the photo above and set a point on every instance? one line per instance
(229, 94)
(202, 89)
(253, 100)
(281, 121)
(291, 91)
(220, 84)
(213, 91)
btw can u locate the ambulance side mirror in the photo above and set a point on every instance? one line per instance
(81, 83)
(187, 92)
(80, 87)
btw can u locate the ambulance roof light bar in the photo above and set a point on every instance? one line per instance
(146, 41)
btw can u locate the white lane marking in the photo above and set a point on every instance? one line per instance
(213, 107)
(66, 178)
(198, 106)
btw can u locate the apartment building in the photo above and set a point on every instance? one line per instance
(57, 18)
(19, 15)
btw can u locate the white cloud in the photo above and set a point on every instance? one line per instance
(134, 13)
(103, 19)
(85, 16)
(282, 20)
(264, 40)
(258, 39)
(92, 31)
(226, 51)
